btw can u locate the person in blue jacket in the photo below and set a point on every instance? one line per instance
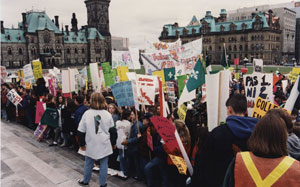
(223, 143)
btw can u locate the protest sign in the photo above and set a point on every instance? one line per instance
(122, 73)
(37, 69)
(179, 163)
(181, 83)
(131, 75)
(182, 112)
(258, 85)
(217, 93)
(40, 130)
(261, 107)
(188, 58)
(294, 74)
(290, 103)
(3, 74)
(180, 70)
(166, 130)
(108, 73)
(171, 91)
(123, 93)
(135, 57)
(52, 87)
(28, 73)
(94, 71)
(146, 85)
(258, 65)
(126, 58)
(162, 46)
(39, 111)
(14, 97)
(68, 81)
(161, 75)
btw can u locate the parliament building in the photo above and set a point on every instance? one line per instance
(257, 37)
(39, 37)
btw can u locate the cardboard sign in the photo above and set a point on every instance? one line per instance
(14, 97)
(95, 75)
(37, 69)
(122, 73)
(52, 87)
(166, 130)
(258, 65)
(40, 130)
(179, 163)
(40, 109)
(182, 112)
(294, 74)
(258, 85)
(109, 74)
(171, 91)
(146, 85)
(3, 74)
(28, 73)
(123, 93)
(161, 75)
(262, 107)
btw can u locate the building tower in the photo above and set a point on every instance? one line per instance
(98, 17)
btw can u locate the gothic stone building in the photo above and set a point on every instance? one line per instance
(39, 37)
(258, 37)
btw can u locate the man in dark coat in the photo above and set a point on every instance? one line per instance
(222, 144)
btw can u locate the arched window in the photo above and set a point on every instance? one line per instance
(76, 50)
(9, 51)
(20, 51)
(82, 51)
(234, 48)
(68, 51)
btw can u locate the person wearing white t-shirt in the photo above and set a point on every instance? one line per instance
(94, 138)
(123, 129)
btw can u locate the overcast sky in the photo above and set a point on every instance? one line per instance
(136, 19)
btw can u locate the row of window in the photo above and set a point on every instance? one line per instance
(245, 48)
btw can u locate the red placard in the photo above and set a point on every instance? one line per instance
(236, 61)
(39, 111)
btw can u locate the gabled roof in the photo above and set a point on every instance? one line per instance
(194, 21)
(215, 26)
(37, 21)
(15, 35)
(81, 37)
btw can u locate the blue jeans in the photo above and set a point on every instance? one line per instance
(3, 113)
(123, 161)
(156, 161)
(88, 168)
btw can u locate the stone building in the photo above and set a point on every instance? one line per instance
(39, 37)
(287, 20)
(258, 37)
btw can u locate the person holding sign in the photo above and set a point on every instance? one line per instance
(222, 144)
(94, 138)
(267, 164)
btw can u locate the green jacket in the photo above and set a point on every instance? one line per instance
(50, 117)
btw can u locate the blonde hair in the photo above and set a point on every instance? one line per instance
(183, 132)
(97, 101)
(117, 109)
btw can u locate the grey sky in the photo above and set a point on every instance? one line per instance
(135, 19)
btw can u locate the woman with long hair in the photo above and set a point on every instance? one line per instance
(94, 138)
(267, 164)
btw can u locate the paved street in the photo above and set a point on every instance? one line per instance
(25, 162)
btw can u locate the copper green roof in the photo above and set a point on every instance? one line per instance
(13, 36)
(37, 21)
(80, 37)
(215, 27)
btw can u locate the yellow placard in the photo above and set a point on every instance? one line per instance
(237, 76)
(27, 85)
(160, 74)
(231, 69)
(122, 70)
(37, 69)
(179, 163)
(294, 74)
(182, 112)
(262, 106)
(20, 74)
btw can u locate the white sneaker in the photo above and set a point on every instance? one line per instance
(96, 168)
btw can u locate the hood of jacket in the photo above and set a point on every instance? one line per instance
(241, 127)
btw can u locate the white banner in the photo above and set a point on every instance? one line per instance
(14, 97)
(126, 58)
(146, 85)
(258, 65)
(95, 75)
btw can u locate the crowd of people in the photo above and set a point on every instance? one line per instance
(118, 138)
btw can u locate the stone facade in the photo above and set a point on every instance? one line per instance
(258, 37)
(39, 37)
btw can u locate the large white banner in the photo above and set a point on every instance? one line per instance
(95, 75)
(258, 84)
(162, 46)
(68, 80)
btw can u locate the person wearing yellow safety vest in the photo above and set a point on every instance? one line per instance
(267, 164)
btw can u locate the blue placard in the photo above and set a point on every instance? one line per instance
(122, 92)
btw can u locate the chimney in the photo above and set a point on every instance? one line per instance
(67, 29)
(24, 21)
(2, 27)
(270, 17)
(56, 21)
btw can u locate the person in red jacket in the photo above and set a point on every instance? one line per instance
(267, 163)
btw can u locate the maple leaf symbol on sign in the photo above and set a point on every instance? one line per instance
(194, 74)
